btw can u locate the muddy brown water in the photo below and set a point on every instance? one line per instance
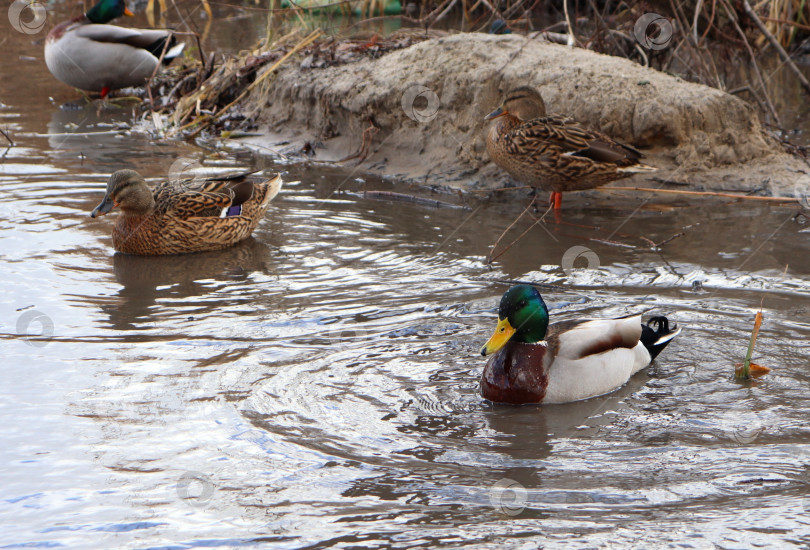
(316, 386)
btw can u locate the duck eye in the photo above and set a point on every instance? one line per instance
(503, 329)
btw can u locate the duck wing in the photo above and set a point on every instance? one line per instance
(582, 338)
(152, 40)
(218, 197)
(593, 357)
(572, 138)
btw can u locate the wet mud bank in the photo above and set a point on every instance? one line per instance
(416, 114)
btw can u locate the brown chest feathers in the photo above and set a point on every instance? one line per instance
(516, 374)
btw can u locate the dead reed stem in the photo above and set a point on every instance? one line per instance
(270, 71)
(775, 43)
(699, 193)
(490, 257)
(733, 17)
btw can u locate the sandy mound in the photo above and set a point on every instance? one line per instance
(427, 103)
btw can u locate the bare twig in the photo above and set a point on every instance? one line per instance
(5, 135)
(643, 55)
(786, 22)
(271, 70)
(556, 37)
(157, 67)
(601, 22)
(749, 11)
(698, 8)
(711, 21)
(699, 193)
(501, 189)
(394, 196)
(430, 18)
(443, 13)
(732, 16)
(490, 259)
(571, 39)
(665, 241)
(513, 243)
(748, 89)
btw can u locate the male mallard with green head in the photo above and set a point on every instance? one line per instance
(178, 217)
(88, 54)
(535, 362)
(554, 152)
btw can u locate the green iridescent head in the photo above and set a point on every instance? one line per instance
(522, 317)
(107, 10)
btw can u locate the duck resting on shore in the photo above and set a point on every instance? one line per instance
(554, 152)
(534, 362)
(87, 53)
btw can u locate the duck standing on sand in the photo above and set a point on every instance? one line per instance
(554, 152)
(535, 362)
(88, 54)
(178, 217)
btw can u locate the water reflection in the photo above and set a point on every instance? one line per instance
(322, 376)
(145, 280)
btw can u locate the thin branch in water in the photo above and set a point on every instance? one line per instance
(499, 189)
(490, 259)
(513, 243)
(5, 135)
(698, 193)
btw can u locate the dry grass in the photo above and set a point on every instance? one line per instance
(713, 42)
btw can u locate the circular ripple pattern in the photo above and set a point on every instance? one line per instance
(316, 386)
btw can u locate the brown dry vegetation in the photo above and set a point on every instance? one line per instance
(339, 98)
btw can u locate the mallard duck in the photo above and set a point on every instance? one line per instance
(499, 26)
(184, 216)
(535, 362)
(554, 152)
(88, 54)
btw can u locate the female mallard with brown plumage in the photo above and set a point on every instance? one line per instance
(554, 152)
(191, 215)
(535, 362)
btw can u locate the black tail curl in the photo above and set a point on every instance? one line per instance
(156, 48)
(656, 334)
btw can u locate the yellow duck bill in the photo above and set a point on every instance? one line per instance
(503, 332)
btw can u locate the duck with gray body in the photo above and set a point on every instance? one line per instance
(91, 55)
